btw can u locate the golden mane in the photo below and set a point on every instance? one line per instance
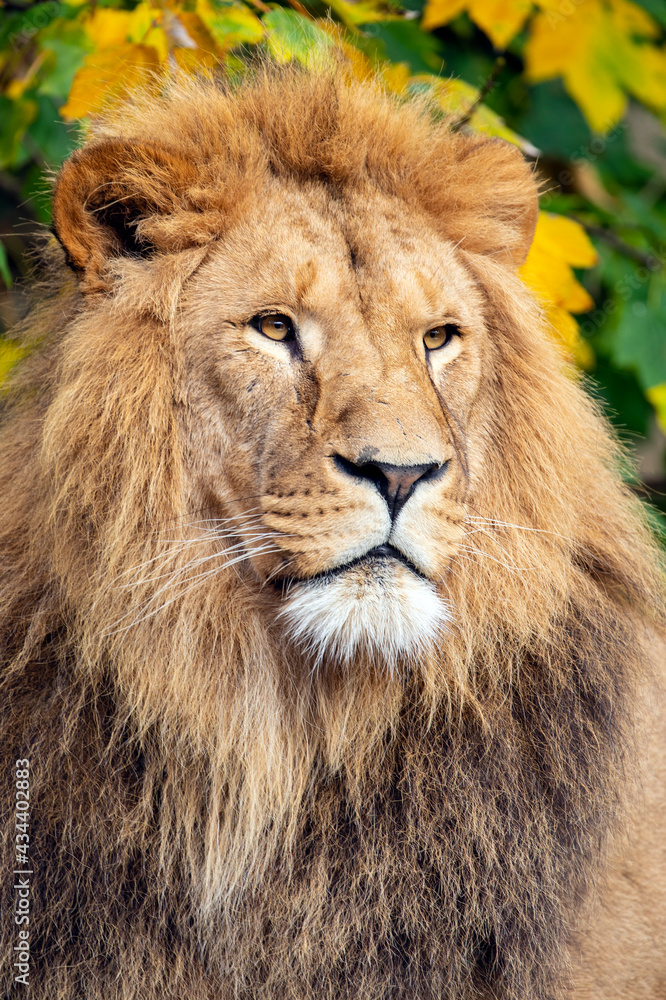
(219, 821)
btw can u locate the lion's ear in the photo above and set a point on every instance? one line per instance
(105, 191)
(488, 201)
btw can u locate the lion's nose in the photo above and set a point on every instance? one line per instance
(395, 482)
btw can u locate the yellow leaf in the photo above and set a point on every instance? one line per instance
(500, 19)
(556, 40)
(395, 76)
(230, 25)
(565, 238)
(156, 38)
(657, 396)
(576, 299)
(597, 92)
(107, 27)
(107, 75)
(595, 49)
(453, 95)
(633, 20)
(143, 19)
(456, 97)
(647, 80)
(559, 245)
(438, 12)
(552, 280)
(356, 63)
(359, 12)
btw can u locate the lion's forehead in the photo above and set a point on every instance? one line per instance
(366, 257)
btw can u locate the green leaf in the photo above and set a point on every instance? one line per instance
(639, 341)
(36, 193)
(67, 51)
(232, 25)
(622, 397)
(292, 36)
(643, 212)
(403, 41)
(15, 117)
(359, 12)
(48, 135)
(655, 8)
(554, 123)
(16, 30)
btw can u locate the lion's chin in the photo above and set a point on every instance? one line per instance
(377, 608)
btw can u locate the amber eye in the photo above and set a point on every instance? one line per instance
(440, 336)
(276, 326)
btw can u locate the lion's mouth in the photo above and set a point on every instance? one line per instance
(380, 554)
(378, 604)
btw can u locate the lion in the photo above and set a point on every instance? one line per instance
(331, 636)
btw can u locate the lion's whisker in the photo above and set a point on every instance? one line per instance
(235, 500)
(195, 581)
(222, 528)
(175, 550)
(479, 552)
(192, 564)
(282, 565)
(493, 522)
(182, 544)
(225, 520)
(488, 534)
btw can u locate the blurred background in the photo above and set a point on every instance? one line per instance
(578, 85)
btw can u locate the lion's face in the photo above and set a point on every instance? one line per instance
(320, 316)
(334, 354)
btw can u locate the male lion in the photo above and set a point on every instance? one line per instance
(329, 628)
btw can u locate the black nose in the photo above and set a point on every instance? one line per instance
(395, 482)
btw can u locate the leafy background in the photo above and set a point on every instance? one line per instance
(579, 85)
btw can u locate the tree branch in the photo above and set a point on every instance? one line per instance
(486, 89)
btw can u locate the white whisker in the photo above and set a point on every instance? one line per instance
(273, 574)
(246, 531)
(191, 584)
(479, 552)
(488, 534)
(193, 563)
(189, 566)
(492, 522)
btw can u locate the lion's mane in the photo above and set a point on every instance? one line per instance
(208, 818)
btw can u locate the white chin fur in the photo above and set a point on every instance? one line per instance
(380, 608)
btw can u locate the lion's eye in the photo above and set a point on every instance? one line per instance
(440, 336)
(275, 326)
